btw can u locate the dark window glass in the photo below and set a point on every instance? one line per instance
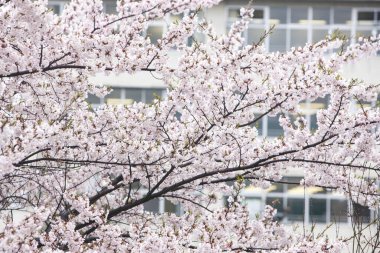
(296, 209)
(321, 102)
(294, 182)
(55, 8)
(154, 33)
(225, 201)
(339, 210)
(362, 104)
(254, 35)
(278, 15)
(295, 120)
(366, 17)
(259, 124)
(317, 210)
(152, 206)
(342, 15)
(258, 17)
(276, 187)
(133, 95)
(171, 208)
(298, 38)
(313, 122)
(317, 190)
(92, 99)
(274, 128)
(314, 107)
(361, 214)
(110, 8)
(319, 34)
(277, 203)
(234, 13)
(321, 16)
(298, 15)
(151, 94)
(114, 97)
(277, 40)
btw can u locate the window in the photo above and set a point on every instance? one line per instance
(321, 16)
(259, 124)
(342, 15)
(109, 8)
(258, 16)
(274, 128)
(278, 15)
(277, 40)
(294, 184)
(127, 96)
(234, 13)
(362, 104)
(152, 206)
(152, 94)
(169, 207)
(297, 25)
(361, 214)
(318, 210)
(154, 33)
(56, 8)
(254, 35)
(313, 107)
(132, 95)
(319, 34)
(161, 205)
(298, 38)
(338, 210)
(299, 15)
(295, 209)
(278, 203)
(114, 97)
(94, 100)
(256, 28)
(296, 203)
(276, 187)
(366, 18)
(196, 38)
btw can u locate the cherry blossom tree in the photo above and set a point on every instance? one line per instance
(84, 174)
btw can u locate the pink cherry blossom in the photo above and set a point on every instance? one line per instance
(84, 174)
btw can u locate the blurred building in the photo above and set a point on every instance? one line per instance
(297, 23)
